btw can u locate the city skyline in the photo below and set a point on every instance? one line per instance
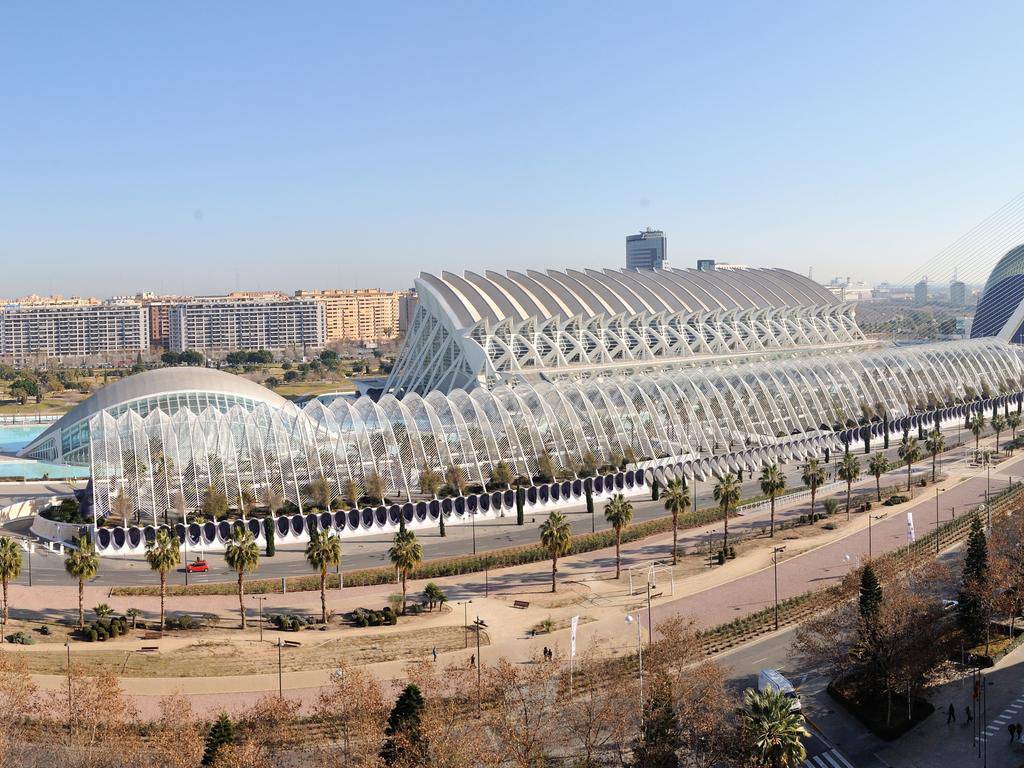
(262, 150)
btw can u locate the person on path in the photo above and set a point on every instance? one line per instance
(970, 715)
(434, 651)
(951, 714)
(1012, 729)
(1019, 729)
(472, 661)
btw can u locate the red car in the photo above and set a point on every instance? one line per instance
(199, 566)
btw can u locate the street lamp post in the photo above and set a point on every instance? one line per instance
(480, 624)
(465, 620)
(775, 566)
(260, 599)
(68, 646)
(988, 493)
(280, 673)
(871, 518)
(631, 619)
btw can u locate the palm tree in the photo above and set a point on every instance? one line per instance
(878, 465)
(430, 482)
(618, 512)
(353, 492)
(774, 732)
(121, 509)
(243, 556)
(998, 425)
(773, 482)
(82, 563)
(163, 555)
(813, 477)
(727, 494)
(1013, 422)
(323, 551)
(677, 499)
(456, 479)
(320, 490)
(556, 538)
(375, 487)
(10, 566)
(273, 499)
(935, 444)
(849, 471)
(246, 502)
(976, 424)
(405, 554)
(910, 452)
(501, 474)
(546, 467)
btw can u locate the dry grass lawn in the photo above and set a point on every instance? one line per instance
(219, 656)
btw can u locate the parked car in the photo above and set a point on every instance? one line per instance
(199, 566)
(772, 679)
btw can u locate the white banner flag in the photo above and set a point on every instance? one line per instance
(910, 527)
(572, 636)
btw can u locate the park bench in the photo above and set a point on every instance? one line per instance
(292, 643)
(148, 649)
(152, 636)
(521, 604)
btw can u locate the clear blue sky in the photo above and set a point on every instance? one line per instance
(194, 146)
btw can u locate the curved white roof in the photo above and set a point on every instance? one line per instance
(162, 381)
(472, 297)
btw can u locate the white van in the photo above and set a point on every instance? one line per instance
(772, 679)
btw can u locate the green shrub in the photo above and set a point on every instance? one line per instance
(92, 635)
(44, 630)
(20, 638)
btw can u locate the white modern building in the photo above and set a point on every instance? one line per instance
(75, 329)
(491, 328)
(220, 324)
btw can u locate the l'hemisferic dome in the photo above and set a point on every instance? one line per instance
(997, 311)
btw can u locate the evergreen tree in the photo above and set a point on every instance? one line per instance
(971, 611)
(870, 594)
(222, 733)
(268, 534)
(403, 735)
(659, 736)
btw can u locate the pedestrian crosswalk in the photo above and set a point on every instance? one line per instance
(831, 759)
(1014, 713)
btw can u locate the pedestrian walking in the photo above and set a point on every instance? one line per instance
(950, 713)
(472, 661)
(1012, 729)
(434, 651)
(970, 715)
(1020, 730)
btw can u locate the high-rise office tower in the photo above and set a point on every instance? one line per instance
(646, 250)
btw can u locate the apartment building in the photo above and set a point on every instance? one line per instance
(71, 328)
(247, 321)
(363, 315)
